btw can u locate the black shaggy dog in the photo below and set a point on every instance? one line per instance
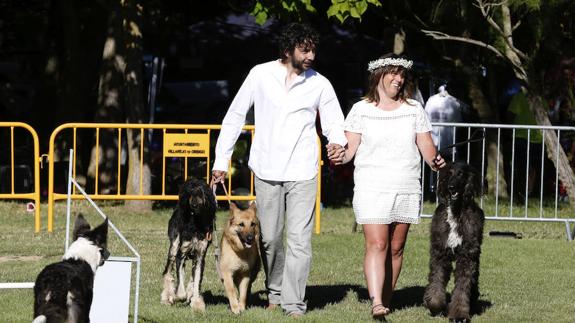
(456, 236)
(190, 231)
(63, 290)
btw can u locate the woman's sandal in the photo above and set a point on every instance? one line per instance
(378, 311)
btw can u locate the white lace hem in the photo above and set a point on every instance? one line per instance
(396, 219)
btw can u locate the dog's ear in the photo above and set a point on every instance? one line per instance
(442, 180)
(233, 209)
(473, 184)
(253, 206)
(81, 226)
(100, 233)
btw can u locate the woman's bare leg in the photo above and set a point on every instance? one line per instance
(394, 260)
(376, 250)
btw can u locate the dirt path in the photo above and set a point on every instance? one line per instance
(19, 258)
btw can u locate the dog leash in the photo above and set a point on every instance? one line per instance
(216, 240)
(470, 140)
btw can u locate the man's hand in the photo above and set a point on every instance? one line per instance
(335, 153)
(218, 176)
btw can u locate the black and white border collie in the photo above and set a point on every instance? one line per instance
(63, 291)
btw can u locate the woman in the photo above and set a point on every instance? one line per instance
(386, 132)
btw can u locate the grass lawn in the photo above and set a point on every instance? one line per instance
(522, 280)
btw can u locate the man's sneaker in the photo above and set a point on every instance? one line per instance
(295, 315)
(272, 306)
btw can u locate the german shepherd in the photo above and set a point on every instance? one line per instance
(239, 261)
(63, 291)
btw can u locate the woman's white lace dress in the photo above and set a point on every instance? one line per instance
(387, 162)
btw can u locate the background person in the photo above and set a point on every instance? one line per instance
(528, 147)
(444, 107)
(287, 94)
(386, 132)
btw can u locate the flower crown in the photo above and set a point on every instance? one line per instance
(373, 65)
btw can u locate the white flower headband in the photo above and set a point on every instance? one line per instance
(373, 65)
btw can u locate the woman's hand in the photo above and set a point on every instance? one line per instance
(335, 153)
(437, 162)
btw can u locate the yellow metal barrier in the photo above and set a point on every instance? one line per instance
(35, 194)
(174, 146)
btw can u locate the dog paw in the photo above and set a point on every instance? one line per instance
(197, 304)
(235, 309)
(459, 314)
(167, 299)
(435, 299)
(435, 304)
(181, 294)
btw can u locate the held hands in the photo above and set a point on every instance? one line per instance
(335, 153)
(437, 163)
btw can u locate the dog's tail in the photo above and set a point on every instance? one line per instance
(40, 319)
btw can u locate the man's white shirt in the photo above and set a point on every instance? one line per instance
(284, 146)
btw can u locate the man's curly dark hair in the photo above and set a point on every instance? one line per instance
(297, 34)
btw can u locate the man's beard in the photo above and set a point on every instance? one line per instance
(299, 65)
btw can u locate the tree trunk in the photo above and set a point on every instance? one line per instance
(109, 106)
(137, 171)
(554, 152)
(511, 55)
(486, 115)
(135, 108)
(399, 42)
(121, 99)
(80, 34)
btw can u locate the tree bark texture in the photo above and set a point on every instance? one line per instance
(555, 152)
(121, 99)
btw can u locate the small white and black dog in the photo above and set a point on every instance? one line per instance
(63, 291)
(456, 236)
(190, 231)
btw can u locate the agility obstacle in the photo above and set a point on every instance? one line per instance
(111, 302)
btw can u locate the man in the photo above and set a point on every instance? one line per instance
(287, 95)
(528, 145)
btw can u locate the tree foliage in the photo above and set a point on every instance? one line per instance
(339, 9)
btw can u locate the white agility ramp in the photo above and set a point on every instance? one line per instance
(111, 302)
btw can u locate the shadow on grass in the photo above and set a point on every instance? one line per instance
(258, 299)
(211, 299)
(481, 307)
(320, 296)
(410, 296)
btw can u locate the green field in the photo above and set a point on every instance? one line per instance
(522, 280)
